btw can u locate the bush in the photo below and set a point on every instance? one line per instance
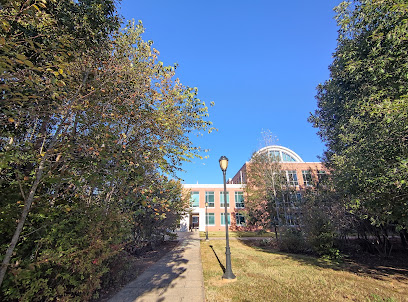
(66, 260)
(291, 240)
(319, 231)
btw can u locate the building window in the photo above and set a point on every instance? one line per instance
(287, 158)
(222, 199)
(223, 219)
(240, 219)
(321, 175)
(209, 199)
(275, 155)
(239, 199)
(292, 178)
(307, 178)
(195, 199)
(210, 219)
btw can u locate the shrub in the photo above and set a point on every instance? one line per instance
(292, 240)
(66, 260)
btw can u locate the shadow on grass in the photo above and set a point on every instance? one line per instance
(218, 259)
(362, 264)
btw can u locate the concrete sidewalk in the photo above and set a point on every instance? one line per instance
(178, 276)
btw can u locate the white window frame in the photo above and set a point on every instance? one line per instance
(228, 199)
(229, 220)
(206, 219)
(206, 196)
(239, 193)
(191, 199)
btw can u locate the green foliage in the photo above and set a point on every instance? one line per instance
(362, 110)
(91, 127)
(291, 240)
(66, 256)
(318, 220)
(270, 199)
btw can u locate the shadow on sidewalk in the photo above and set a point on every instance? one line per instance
(157, 279)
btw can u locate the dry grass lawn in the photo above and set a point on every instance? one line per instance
(217, 234)
(273, 276)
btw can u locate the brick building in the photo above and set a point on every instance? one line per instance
(299, 175)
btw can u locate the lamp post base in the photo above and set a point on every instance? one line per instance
(229, 276)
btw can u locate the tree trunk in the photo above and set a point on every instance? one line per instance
(26, 210)
(404, 238)
(27, 205)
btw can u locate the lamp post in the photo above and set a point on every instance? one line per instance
(206, 222)
(228, 274)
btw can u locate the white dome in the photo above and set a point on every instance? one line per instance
(284, 155)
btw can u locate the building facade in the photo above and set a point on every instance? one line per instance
(207, 201)
(299, 176)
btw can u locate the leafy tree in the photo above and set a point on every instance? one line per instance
(362, 110)
(91, 122)
(270, 199)
(36, 52)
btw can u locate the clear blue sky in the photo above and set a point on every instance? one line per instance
(259, 61)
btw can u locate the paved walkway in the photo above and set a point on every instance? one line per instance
(178, 276)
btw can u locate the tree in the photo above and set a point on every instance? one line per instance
(270, 200)
(90, 121)
(362, 110)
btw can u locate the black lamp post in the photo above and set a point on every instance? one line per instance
(206, 222)
(228, 274)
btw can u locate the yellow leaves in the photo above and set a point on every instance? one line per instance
(58, 158)
(11, 120)
(21, 57)
(42, 4)
(2, 41)
(5, 25)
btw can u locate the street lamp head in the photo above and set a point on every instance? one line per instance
(223, 163)
(206, 204)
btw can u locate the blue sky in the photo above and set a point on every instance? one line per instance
(258, 61)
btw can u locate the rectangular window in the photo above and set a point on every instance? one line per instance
(321, 175)
(195, 199)
(223, 219)
(209, 199)
(210, 219)
(239, 199)
(307, 178)
(292, 178)
(222, 199)
(240, 219)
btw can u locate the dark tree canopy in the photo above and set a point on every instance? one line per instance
(362, 110)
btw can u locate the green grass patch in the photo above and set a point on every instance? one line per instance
(218, 234)
(272, 276)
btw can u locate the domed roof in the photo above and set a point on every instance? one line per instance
(283, 154)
